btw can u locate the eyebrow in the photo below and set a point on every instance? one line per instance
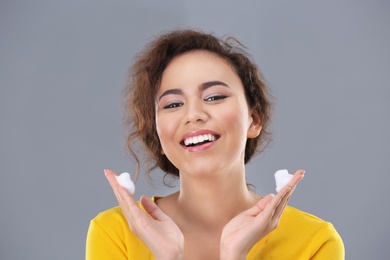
(203, 86)
(174, 91)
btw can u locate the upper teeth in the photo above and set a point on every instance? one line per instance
(199, 139)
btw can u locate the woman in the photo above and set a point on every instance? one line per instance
(200, 108)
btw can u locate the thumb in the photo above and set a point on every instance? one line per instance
(152, 209)
(261, 204)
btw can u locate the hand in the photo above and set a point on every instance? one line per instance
(247, 228)
(159, 233)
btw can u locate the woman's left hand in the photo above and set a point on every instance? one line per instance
(247, 228)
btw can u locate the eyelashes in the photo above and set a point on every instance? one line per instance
(215, 98)
(210, 99)
(173, 105)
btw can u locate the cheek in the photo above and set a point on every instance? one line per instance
(235, 118)
(165, 130)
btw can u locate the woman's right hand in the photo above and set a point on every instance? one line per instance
(159, 233)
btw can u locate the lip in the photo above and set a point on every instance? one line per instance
(202, 147)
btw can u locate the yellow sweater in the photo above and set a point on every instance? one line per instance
(299, 236)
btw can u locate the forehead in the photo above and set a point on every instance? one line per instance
(197, 65)
(198, 56)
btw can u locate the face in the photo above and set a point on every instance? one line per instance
(202, 116)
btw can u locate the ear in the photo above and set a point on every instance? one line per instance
(255, 127)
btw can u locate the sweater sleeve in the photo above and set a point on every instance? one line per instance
(102, 245)
(109, 237)
(330, 244)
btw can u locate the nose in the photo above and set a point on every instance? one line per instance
(195, 112)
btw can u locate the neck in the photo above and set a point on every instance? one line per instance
(214, 199)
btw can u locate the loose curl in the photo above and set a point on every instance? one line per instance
(144, 81)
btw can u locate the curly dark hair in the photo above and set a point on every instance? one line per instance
(144, 81)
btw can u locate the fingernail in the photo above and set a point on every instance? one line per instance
(105, 172)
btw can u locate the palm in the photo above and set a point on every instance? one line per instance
(244, 230)
(156, 230)
(248, 227)
(159, 233)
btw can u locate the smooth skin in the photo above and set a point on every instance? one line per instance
(165, 239)
(200, 93)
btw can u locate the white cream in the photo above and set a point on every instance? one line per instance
(125, 181)
(282, 178)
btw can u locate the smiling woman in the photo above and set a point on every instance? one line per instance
(146, 76)
(211, 101)
(200, 107)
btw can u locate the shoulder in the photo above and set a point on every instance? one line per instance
(110, 223)
(114, 216)
(111, 215)
(106, 236)
(110, 237)
(319, 237)
(294, 216)
(301, 235)
(306, 225)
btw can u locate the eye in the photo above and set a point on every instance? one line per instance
(173, 105)
(215, 98)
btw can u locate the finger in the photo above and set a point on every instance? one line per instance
(276, 206)
(259, 206)
(298, 176)
(289, 188)
(126, 201)
(287, 191)
(110, 175)
(270, 207)
(283, 203)
(135, 216)
(152, 209)
(280, 200)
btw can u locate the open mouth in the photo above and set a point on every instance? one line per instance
(199, 140)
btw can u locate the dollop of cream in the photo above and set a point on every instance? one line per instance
(125, 181)
(282, 178)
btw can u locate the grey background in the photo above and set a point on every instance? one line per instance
(63, 65)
